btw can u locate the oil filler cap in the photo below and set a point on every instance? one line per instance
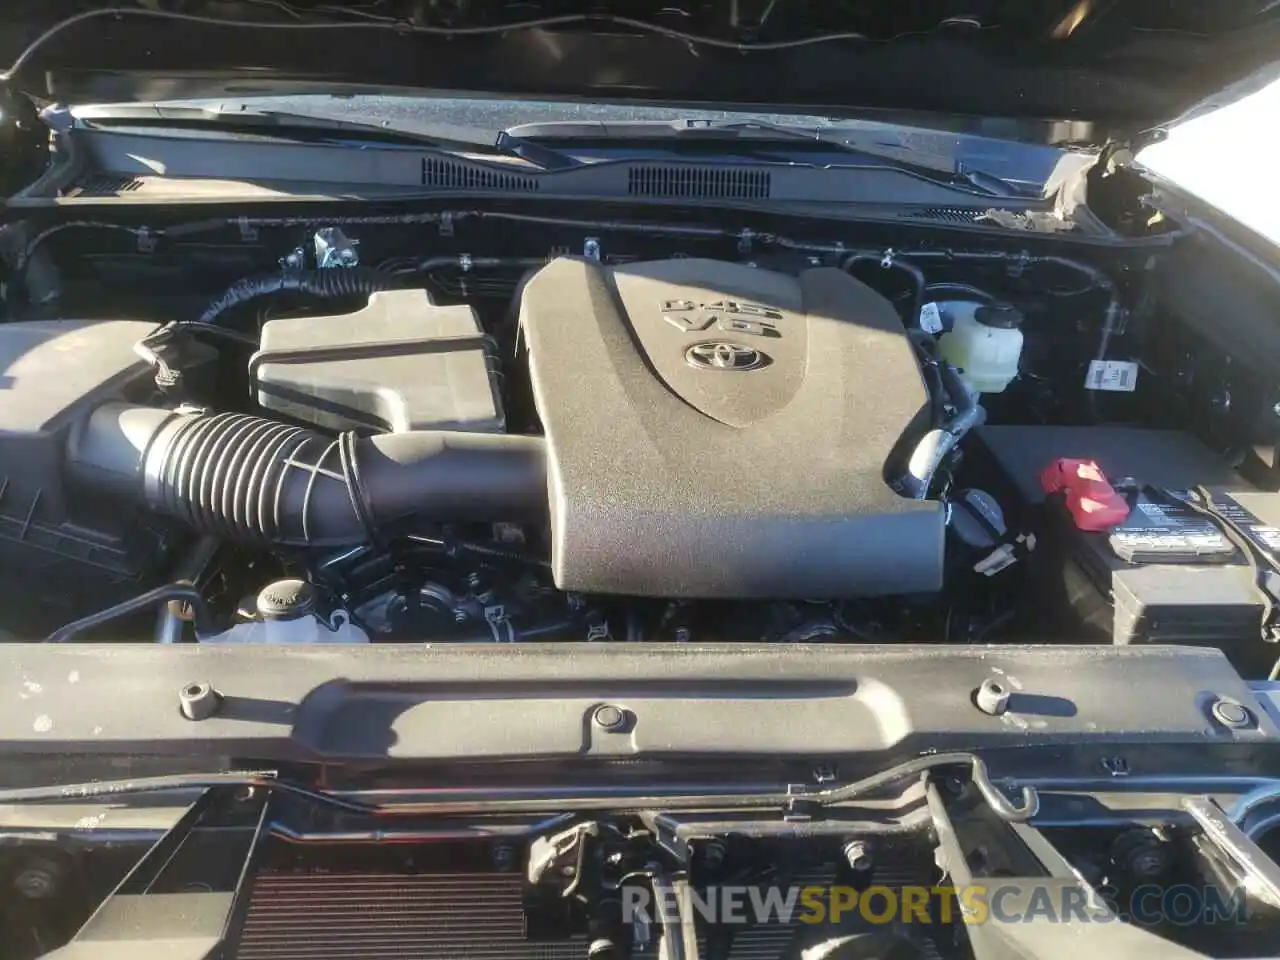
(286, 600)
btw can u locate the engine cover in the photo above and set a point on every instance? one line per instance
(715, 430)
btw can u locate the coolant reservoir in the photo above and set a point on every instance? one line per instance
(985, 344)
(287, 615)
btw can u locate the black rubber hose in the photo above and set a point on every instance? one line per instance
(913, 273)
(183, 592)
(947, 289)
(327, 284)
(248, 479)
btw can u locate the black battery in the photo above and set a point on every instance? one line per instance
(1166, 574)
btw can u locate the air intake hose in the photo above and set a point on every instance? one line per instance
(245, 478)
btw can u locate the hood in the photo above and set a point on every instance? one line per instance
(1120, 64)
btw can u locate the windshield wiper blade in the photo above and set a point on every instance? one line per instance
(977, 179)
(756, 133)
(313, 128)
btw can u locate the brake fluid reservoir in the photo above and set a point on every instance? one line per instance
(986, 345)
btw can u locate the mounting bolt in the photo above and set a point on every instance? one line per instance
(609, 717)
(1148, 864)
(1141, 854)
(713, 854)
(858, 856)
(198, 701)
(39, 880)
(504, 857)
(991, 697)
(1231, 714)
(296, 259)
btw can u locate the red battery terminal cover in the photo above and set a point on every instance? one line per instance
(1092, 502)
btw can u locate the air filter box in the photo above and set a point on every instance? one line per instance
(64, 551)
(400, 364)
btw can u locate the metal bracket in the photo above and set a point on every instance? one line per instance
(1114, 766)
(800, 804)
(666, 834)
(499, 624)
(210, 920)
(824, 773)
(1262, 872)
(560, 854)
(679, 936)
(1017, 266)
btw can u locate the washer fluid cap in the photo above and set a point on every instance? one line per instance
(1001, 316)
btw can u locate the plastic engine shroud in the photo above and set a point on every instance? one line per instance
(715, 430)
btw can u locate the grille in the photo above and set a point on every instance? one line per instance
(1009, 219)
(443, 172)
(104, 185)
(947, 214)
(682, 181)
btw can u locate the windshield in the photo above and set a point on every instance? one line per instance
(993, 147)
(1227, 159)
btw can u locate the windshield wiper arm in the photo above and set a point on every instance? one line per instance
(314, 128)
(756, 133)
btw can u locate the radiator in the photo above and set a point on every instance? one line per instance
(340, 915)
(367, 916)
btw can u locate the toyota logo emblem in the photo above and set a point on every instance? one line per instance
(722, 355)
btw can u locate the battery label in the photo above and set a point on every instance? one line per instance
(1154, 514)
(1169, 533)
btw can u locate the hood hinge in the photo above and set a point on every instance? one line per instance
(24, 141)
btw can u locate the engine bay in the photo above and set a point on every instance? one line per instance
(492, 426)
